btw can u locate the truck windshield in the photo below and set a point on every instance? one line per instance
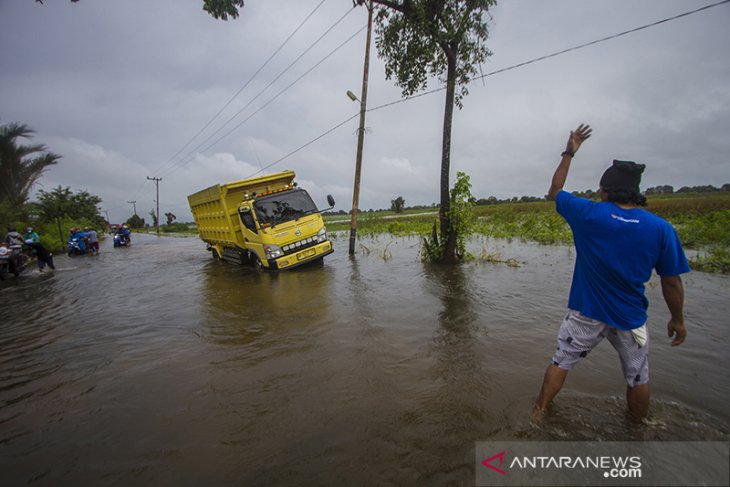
(283, 207)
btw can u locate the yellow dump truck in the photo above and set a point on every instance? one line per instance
(268, 222)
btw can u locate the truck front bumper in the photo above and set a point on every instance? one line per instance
(302, 257)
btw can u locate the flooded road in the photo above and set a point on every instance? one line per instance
(155, 365)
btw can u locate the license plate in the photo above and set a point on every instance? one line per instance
(306, 254)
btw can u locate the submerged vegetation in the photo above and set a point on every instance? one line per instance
(702, 221)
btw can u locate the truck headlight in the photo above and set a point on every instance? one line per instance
(273, 251)
(322, 235)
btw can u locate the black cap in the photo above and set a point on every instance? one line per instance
(622, 175)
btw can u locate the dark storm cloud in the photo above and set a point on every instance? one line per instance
(119, 88)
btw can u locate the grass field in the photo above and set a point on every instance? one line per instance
(702, 221)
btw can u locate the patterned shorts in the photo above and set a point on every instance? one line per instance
(579, 335)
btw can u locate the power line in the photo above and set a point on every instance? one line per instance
(271, 100)
(306, 145)
(509, 68)
(192, 152)
(286, 41)
(185, 160)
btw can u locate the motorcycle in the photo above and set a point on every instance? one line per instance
(11, 260)
(122, 240)
(77, 246)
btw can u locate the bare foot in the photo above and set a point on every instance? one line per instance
(537, 414)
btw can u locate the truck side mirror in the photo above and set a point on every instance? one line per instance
(330, 200)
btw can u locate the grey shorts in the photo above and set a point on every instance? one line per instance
(579, 335)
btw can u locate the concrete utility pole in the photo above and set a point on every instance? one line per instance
(134, 205)
(157, 184)
(361, 131)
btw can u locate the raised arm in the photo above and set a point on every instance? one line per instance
(577, 137)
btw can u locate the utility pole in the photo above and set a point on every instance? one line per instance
(157, 185)
(361, 131)
(134, 205)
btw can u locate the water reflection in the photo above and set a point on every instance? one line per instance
(243, 306)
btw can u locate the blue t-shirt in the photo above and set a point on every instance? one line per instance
(617, 250)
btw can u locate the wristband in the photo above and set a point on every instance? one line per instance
(568, 153)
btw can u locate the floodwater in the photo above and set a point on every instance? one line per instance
(155, 365)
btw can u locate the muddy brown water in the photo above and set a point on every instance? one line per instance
(155, 365)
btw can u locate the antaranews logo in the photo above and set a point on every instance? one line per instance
(601, 463)
(488, 462)
(621, 467)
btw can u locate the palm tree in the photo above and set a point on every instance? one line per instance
(20, 165)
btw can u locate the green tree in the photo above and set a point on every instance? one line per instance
(54, 206)
(397, 204)
(461, 220)
(154, 217)
(135, 222)
(20, 165)
(62, 203)
(419, 39)
(222, 9)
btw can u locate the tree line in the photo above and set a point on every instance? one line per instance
(398, 205)
(22, 163)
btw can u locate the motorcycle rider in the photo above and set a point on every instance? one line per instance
(33, 242)
(13, 237)
(31, 235)
(79, 238)
(123, 232)
(15, 242)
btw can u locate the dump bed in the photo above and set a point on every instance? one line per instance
(215, 209)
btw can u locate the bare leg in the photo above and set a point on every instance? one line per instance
(637, 398)
(551, 385)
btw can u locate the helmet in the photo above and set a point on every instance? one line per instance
(29, 229)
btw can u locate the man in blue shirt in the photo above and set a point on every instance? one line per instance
(618, 246)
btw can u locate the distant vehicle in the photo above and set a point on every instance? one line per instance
(77, 245)
(268, 222)
(121, 240)
(11, 260)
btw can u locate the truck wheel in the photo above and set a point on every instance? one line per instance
(256, 262)
(215, 255)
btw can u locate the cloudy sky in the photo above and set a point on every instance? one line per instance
(126, 90)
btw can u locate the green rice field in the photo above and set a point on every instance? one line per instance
(702, 221)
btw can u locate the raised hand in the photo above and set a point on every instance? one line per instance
(577, 137)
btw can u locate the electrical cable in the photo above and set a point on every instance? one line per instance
(271, 100)
(183, 161)
(253, 76)
(509, 68)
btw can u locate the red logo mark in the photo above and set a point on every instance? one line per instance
(487, 463)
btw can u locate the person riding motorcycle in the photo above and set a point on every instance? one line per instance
(77, 242)
(15, 243)
(33, 242)
(124, 234)
(31, 235)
